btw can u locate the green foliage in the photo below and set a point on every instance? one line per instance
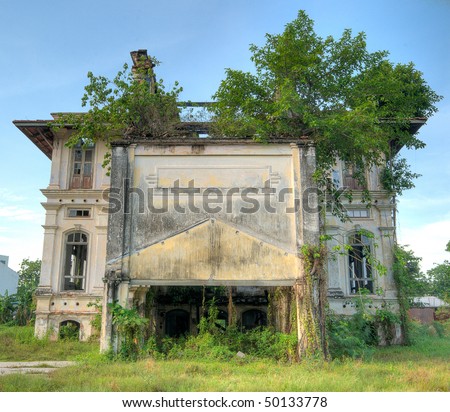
(7, 308)
(23, 346)
(130, 326)
(420, 332)
(96, 321)
(29, 273)
(312, 293)
(397, 176)
(130, 105)
(346, 339)
(19, 308)
(260, 343)
(439, 277)
(69, 331)
(349, 101)
(410, 282)
(216, 343)
(356, 336)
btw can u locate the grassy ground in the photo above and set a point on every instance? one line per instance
(421, 367)
(18, 344)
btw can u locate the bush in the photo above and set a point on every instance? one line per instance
(349, 337)
(69, 331)
(261, 343)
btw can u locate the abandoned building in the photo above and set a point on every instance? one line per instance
(190, 212)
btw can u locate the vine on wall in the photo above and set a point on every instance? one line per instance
(311, 296)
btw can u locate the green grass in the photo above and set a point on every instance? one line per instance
(17, 343)
(421, 367)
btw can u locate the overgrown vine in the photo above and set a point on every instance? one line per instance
(311, 294)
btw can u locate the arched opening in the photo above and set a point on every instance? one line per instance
(177, 323)
(69, 330)
(75, 265)
(253, 318)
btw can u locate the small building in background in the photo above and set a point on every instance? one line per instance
(8, 277)
(425, 310)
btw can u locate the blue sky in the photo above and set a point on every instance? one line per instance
(47, 47)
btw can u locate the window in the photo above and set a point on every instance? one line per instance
(78, 212)
(351, 174)
(82, 167)
(75, 264)
(358, 213)
(360, 268)
(336, 178)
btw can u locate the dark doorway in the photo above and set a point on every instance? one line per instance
(177, 323)
(253, 318)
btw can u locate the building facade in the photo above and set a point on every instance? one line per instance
(191, 212)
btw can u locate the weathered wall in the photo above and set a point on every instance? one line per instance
(239, 225)
(54, 305)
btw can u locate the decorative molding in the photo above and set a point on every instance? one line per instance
(251, 176)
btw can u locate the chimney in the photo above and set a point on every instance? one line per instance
(142, 68)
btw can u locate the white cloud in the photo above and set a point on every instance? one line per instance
(7, 196)
(19, 246)
(428, 242)
(17, 213)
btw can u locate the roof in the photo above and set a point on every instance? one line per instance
(39, 132)
(430, 301)
(42, 135)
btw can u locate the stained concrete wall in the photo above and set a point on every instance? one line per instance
(160, 237)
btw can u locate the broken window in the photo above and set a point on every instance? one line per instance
(75, 264)
(82, 167)
(360, 268)
(253, 318)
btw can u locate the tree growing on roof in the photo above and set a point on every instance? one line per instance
(353, 104)
(132, 105)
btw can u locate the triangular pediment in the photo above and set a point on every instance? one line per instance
(214, 250)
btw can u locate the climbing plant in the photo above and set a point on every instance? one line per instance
(311, 292)
(130, 326)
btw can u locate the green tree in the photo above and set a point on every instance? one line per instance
(414, 283)
(6, 308)
(29, 274)
(350, 102)
(410, 283)
(440, 279)
(132, 105)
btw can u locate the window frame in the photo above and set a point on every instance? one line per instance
(81, 180)
(66, 273)
(357, 252)
(349, 180)
(88, 209)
